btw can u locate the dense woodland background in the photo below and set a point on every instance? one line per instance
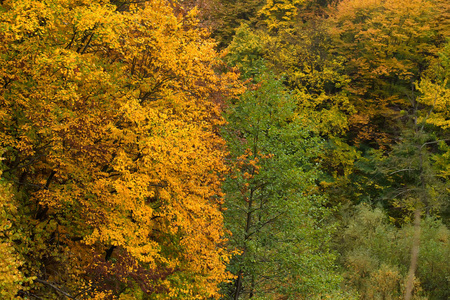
(224, 149)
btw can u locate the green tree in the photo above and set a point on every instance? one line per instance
(273, 208)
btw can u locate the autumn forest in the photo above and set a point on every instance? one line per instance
(225, 149)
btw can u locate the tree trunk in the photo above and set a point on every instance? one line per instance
(238, 286)
(414, 256)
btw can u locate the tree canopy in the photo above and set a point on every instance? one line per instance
(224, 149)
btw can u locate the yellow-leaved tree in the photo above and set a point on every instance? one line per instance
(387, 46)
(109, 119)
(10, 275)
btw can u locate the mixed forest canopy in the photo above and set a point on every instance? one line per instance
(225, 149)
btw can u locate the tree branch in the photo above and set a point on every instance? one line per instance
(55, 287)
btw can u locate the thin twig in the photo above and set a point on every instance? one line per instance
(55, 287)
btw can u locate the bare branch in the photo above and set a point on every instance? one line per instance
(402, 170)
(55, 287)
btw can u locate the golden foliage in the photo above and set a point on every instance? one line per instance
(110, 122)
(387, 46)
(11, 278)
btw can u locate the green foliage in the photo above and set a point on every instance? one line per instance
(376, 253)
(274, 210)
(404, 179)
(300, 53)
(246, 52)
(351, 77)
